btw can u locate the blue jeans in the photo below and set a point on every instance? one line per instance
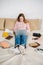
(20, 39)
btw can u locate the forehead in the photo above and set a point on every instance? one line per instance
(21, 16)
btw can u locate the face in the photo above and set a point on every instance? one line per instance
(21, 19)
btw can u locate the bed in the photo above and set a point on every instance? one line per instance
(32, 57)
(7, 57)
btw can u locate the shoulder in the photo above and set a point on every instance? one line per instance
(27, 23)
(17, 22)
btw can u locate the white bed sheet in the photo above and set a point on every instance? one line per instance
(30, 58)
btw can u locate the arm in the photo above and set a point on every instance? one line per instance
(15, 28)
(27, 27)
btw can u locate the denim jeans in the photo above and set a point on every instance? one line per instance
(21, 38)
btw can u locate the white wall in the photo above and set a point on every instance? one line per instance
(31, 9)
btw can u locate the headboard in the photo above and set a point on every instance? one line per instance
(35, 24)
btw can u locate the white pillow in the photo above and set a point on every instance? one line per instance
(22, 49)
(9, 31)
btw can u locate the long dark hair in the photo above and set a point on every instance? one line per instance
(18, 18)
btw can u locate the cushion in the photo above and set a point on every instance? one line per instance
(9, 24)
(4, 44)
(9, 31)
(1, 24)
(22, 49)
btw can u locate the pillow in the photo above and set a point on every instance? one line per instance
(9, 24)
(1, 24)
(22, 49)
(9, 31)
(4, 44)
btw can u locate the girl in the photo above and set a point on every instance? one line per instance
(21, 30)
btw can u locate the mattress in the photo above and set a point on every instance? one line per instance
(7, 57)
